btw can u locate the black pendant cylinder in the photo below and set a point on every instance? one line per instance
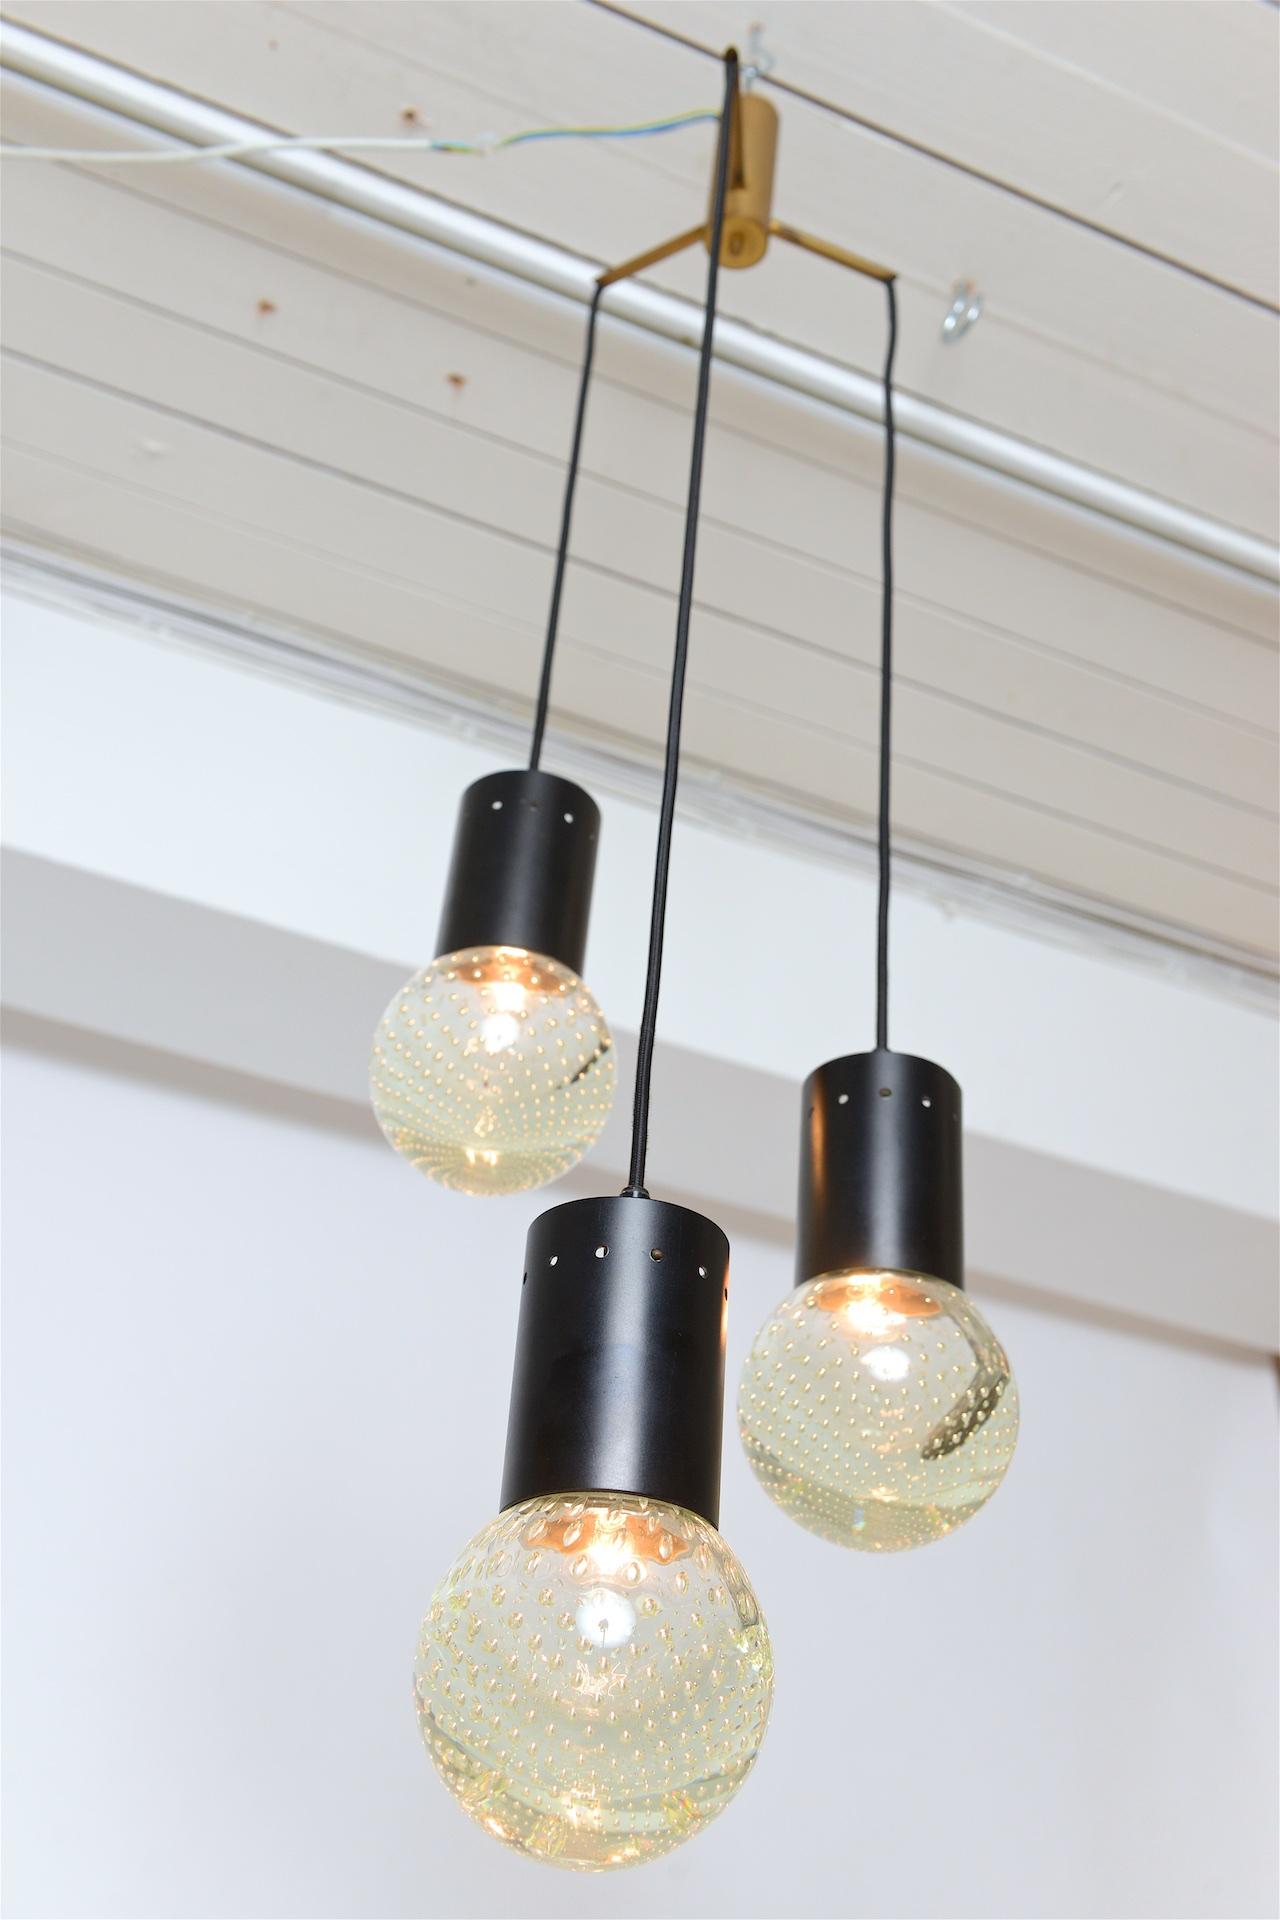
(524, 859)
(618, 1384)
(880, 1172)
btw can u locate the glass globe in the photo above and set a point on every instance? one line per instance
(492, 1070)
(593, 1678)
(878, 1409)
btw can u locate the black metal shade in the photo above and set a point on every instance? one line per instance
(880, 1169)
(524, 859)
(618, 1383)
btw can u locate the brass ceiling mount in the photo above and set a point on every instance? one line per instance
(749, 222)
(753, 152)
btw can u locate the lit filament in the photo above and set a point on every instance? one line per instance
(610, 1549)
(874, 1307)
(508, 1002)
(605, 1618)
(610, 1546)
(870, 1317)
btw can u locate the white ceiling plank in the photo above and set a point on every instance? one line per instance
(968, 85)
(274, 403)
(71, 503)
(970, 703)
(1175, 421)
(1211, 62)
(806, 500)
(523, 56)
(484, 302)
(149, 534)
(466, 472)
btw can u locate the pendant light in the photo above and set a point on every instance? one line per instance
(593, 1674)
(876, 1407)
(492, 1068)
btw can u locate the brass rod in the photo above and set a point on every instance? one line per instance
(829, 251)
(652, 257)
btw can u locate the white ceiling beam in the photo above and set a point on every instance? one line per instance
(297, 1012)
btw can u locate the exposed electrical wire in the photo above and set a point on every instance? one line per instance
(350, 143)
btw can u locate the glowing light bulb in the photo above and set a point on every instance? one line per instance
(492, 1070)
(878, 1409)
(500, 1029)
(887, 1363)
(605, 1619)
(594, 1678)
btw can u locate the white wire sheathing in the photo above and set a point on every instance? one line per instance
(412, 210)
(487, 144)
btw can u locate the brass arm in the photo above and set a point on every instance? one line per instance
(652, 257)
(829, 251)
(825, 249)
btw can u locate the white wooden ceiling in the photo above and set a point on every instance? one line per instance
(217, 383)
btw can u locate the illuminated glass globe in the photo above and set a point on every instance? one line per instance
(878, 1409)
(594, 1678)
(492, 1070)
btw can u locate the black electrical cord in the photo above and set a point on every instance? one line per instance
(886, 676)
(566, 522)
(635, 1186)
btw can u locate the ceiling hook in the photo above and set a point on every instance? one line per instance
(965, 309)
(759, 63)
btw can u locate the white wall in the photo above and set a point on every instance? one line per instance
(256, 1376)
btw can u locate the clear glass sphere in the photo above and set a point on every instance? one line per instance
(878, 1409)
(593, 1678)
(492, 1070)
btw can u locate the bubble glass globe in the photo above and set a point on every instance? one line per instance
(878, 1409)
(593, 1678)
(492, 1070)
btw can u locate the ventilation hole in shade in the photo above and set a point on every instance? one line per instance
(655, 1253)
(726, 1293)
(497, 806)
(702, 1273)
(926, 1102)
(554, 1258)
(885, 1092)
(601, 1252)
(525, 1281)
(568, 819)
(843, 1101)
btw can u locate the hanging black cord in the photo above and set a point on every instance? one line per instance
(886, 677)
(653, 979)
(566, 522)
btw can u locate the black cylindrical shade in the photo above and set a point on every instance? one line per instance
(524, 859)
(618, 1384)
(880, 1169)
